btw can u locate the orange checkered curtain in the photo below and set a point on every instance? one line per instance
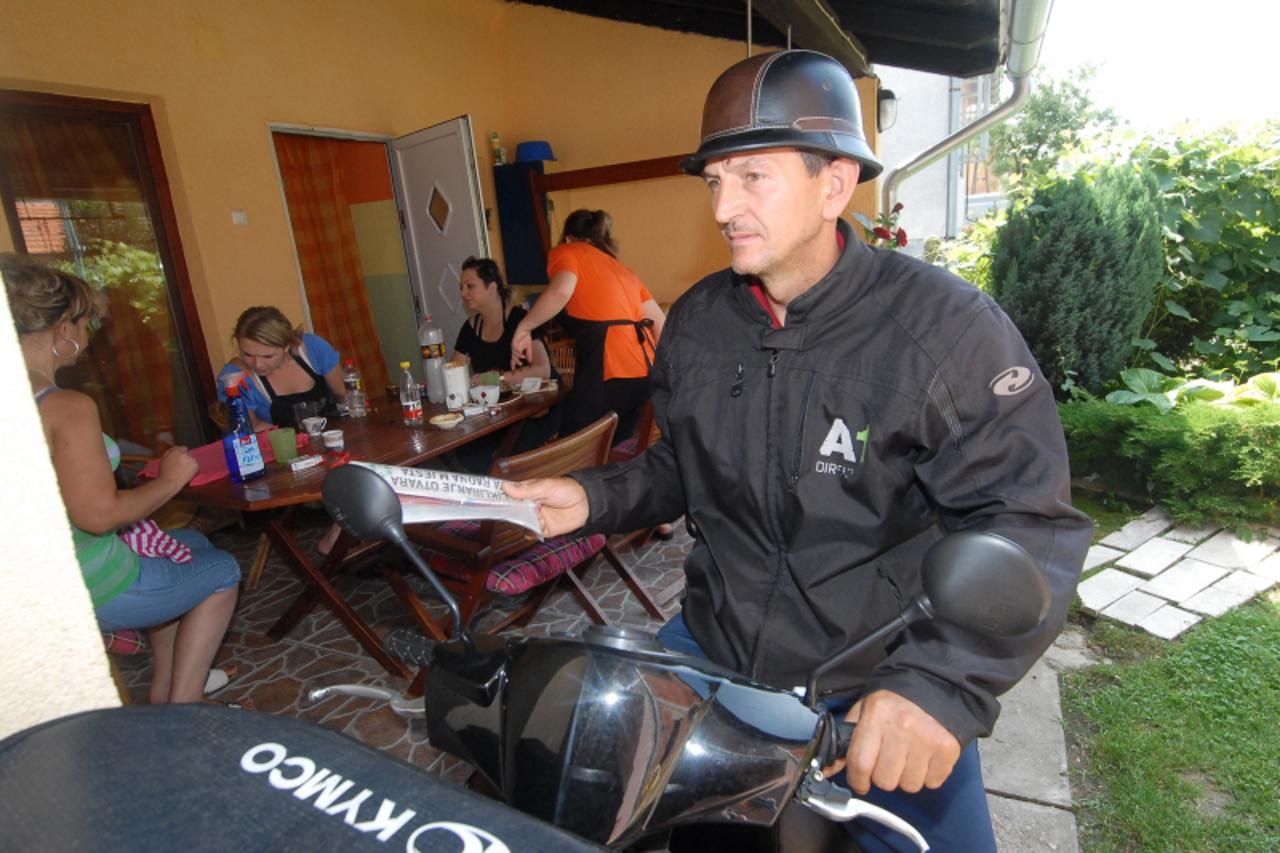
(328, 253)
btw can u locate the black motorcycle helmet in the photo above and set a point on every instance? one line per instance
(788, 99)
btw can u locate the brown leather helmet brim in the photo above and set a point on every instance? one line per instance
(838, 144)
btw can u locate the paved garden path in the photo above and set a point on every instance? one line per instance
(1157, 576)
(1164, 578)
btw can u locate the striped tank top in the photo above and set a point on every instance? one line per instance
(108, 565)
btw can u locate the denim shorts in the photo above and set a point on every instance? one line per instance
(165, 590)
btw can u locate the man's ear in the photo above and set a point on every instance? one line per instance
(842, 181)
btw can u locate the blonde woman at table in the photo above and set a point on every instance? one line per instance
(173, 583)
(280, 365)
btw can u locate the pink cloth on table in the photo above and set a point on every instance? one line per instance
(212, 461)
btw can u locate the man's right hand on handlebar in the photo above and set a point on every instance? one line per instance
(562, 502)
(896, 745)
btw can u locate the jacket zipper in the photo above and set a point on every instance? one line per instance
(797, 457)
(736, 389)
(776, 532)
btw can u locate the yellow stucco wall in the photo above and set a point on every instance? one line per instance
(218, 75)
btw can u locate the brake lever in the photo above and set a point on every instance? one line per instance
(836, 803)
(399, 703)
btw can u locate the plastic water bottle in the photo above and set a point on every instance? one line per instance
(410, 397)
(357, 407)
(239, 444)
(431, 339)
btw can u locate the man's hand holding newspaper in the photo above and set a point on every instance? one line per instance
(435, 496)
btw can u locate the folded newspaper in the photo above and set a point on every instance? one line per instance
(435, 496)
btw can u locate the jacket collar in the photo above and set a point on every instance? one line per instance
(821, 304)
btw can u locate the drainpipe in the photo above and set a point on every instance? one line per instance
(1026, 32)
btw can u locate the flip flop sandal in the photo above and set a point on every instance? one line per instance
(220, 677)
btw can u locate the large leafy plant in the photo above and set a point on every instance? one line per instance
(1167, 392)
(1217, 310)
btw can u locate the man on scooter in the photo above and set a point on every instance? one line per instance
(828, 411)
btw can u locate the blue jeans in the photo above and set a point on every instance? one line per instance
(165, 590)
(953, 817)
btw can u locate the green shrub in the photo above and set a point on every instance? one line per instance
(1076, 269)
(1204, 462)
(1218, 308)
(969, 255)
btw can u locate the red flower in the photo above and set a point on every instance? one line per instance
(882, 232)
(902, 238)
(897, 208)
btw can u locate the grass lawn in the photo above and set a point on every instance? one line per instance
(1177, 744)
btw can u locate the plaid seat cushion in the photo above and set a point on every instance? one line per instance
(535, 565)
(126, 641)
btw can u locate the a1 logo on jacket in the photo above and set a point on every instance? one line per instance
(842, 450)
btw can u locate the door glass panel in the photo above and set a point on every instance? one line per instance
(76, 188)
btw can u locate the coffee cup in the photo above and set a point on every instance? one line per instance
(457, 385)
(486, 395)
(334, 441)
(314, 426)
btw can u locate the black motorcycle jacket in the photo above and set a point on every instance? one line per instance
(820, 460)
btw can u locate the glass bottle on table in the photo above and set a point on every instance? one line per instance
(410, 397)
(239, 443)
(357, 405)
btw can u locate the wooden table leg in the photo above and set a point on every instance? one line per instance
(320, 590)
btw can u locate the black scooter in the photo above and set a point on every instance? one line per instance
(613, 738)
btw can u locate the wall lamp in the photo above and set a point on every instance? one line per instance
(886, 109)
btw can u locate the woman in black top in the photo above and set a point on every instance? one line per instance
(485, 339)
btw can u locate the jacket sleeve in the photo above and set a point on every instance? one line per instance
(647, 490)
(992, 458)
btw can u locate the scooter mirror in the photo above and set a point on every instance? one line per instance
(366, 506)
(985, 583)
(363, 503)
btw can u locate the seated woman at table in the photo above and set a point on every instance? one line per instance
(280, 365)
(173, 583)
(485, 339)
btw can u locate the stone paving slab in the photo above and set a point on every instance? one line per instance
(1192, 535)
(1153, 556)
(1134, 607)
(1231, 591)
(1151, 523)
(1026, 755)
(1169, 621)
(1106, 587)
(1100, 555)
(1268, 568)
(1183, 580)
(1031, 828)
(1231, 552)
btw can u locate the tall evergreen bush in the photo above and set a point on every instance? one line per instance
(1076, 269)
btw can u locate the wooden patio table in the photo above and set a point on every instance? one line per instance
(377, 438)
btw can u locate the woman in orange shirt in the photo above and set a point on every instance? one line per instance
(613, 317)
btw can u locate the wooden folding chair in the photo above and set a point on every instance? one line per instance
(561, 354)
(481, 560)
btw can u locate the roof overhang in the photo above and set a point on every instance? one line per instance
(959, 38)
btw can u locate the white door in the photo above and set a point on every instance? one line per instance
(441, 217)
